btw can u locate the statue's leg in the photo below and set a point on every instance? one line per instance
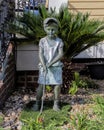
(36, 106)
(56, 106)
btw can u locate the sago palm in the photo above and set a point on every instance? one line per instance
(78, 32)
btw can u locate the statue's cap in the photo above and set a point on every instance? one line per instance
(47, 21)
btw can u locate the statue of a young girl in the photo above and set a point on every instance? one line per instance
(50, 66)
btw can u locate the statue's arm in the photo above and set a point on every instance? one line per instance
(41, 58)
(57, 58)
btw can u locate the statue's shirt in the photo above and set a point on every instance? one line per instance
(50, 51)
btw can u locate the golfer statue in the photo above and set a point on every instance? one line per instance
(50, 66)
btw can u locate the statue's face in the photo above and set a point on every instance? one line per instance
(51, 31)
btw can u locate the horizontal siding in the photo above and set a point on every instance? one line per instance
(97, 17)
(46, 5)
(94, 7)
(93, 12)
(87, 5)
(86, 1)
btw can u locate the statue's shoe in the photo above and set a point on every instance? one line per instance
(56, 108)
(36, 107)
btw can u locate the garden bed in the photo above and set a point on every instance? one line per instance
(75, 111)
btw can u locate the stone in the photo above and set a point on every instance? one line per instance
(6, 124)
(19, 110)
(6, 119)
(7, 128)
(1, 114)
(26, 97)
(19, 127)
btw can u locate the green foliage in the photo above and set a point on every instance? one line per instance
(2, 128)
(90, 83)
(78, 32)
(31, 124)
(76, 83)
(81, 121)
(81, 83)
(99, 107)
(49, 120)
(73, 89)
(1, 120)
(48, 88)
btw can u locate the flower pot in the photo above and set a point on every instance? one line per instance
(96, 70)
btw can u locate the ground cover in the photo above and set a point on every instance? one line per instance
(1, 120)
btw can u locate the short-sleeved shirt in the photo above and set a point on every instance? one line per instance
(54, 73)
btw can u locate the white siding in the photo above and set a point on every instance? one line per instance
(94, 7)
(57, 3)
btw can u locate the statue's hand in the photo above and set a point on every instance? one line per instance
(45, 68)
(48, 65)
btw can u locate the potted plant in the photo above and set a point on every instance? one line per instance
(96, 70)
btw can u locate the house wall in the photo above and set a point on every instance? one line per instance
(94, 7)
(96, 10)
(27, 66)
(27, 79)
(57, 4)
(27, 57)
